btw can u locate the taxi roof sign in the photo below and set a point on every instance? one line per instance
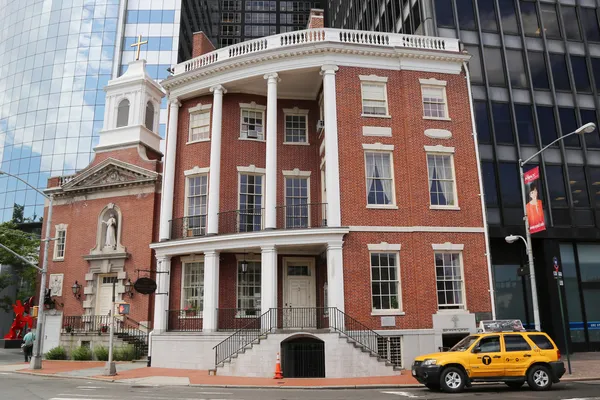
(501, 325)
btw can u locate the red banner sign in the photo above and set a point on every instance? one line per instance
(535, 210)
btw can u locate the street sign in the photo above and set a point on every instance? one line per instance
(123, 309)
(556, 266)
(557, 274)
(145, 285)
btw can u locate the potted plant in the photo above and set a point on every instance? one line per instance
(68, 328)
(103, 328)
(190, 311)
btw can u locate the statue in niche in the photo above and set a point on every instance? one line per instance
(110, 240)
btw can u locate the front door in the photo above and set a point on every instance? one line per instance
(51, 332)
(486, 358)
(299, 294)
(104, 296)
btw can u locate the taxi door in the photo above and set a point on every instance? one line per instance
(486, 358)
(518, 354)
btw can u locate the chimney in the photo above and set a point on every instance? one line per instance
(316, 20)
(201, 44)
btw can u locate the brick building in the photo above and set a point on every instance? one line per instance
(320, 198)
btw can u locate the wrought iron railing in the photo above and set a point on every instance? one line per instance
(302, 318)
(245, 220)
(184, 320)
(234, 319)
(186, 227)
(134, 333)
(85, 324)
(302, 216)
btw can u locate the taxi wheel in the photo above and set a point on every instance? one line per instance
(538, 378)
(452, 380)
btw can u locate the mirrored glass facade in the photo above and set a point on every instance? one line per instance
(535, 73)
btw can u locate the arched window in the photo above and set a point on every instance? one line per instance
(149, 116)
(123, 113)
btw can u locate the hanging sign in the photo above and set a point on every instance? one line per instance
(145, 285)
(535, 209)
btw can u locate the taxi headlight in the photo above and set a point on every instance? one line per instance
(430, 362)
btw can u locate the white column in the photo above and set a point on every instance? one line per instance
(268, 282)
(335, 275)
(168, 184)
(271, 157)
(332, 165)
(214, 184)
(211, 291)
(161, 298)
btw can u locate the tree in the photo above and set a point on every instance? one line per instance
(28, 246)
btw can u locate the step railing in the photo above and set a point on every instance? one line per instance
(301, 318)
(134, 333)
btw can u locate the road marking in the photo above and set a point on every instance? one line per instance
(88, 387)
(405, 394)
(215, 393)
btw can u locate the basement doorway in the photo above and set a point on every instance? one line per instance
(303, 357)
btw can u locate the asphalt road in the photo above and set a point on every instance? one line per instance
(25, 387)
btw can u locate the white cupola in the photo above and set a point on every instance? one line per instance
(132, 110)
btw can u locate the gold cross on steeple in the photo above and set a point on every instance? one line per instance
(138, 45)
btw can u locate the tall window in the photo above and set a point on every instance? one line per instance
(494, 66)
(385, 281)
(487, 15)
(374, 98)
(589, 21)
(503, 126)
(252, 125)
(482, 121)
(444, 13)
(434, 102)
(380, 178)
(248, 289)
(559, 72)
(295, 128)
(466, 14)
(539, 73)
(531, 24)
(192, 296)
(525, 126)
(508, 16)
(475, 64)
(580, 74)
(572, 29)
(441, 180)
(296, 203)
(449, 277)
(149, 122)
(59, 244)
(551, 21)
(197, 194)
(250, 218)
(199, 126)
(123, 113)
(516, 68)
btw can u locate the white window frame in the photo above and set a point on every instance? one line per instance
(185, 261)
(439, 85)
(58, 230)
(390, 249)
(297, 174)
(295, 112)
(191, 174)
(198, 110)
(442, 151)
(251, 170)
(380, 81)
(387, 149)
(252, 107)
(448, 248)
(251, 258)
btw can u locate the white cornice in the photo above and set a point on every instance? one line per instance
(196, 171)
(432, 82)
(378, 147)
(439, 149)
(448, 247)
(253, 106)
(296, 172)
(373, 78)
(251, 169)
(384, 246)
(295, 110)
(200, 107)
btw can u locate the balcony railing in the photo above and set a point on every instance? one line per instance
(186, 227)
(247, 220)
(302, 216)
(298, 38)
(84, 324)
(184, 320)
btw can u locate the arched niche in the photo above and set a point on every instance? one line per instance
(108, 231)
(123, 113)
(149, 120)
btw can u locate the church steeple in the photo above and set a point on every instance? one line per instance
(132, 110)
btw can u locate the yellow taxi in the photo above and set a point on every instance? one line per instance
(513, 357)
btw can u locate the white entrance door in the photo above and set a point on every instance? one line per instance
(51, 332)
(300, 294)
(104, 296)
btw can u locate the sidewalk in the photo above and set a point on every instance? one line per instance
(585, 366)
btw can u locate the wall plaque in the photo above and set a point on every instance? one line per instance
(388, 321)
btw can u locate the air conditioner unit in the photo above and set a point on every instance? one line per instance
(252, 134)
(320, 125)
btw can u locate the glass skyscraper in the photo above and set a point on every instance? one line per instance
(535, 71)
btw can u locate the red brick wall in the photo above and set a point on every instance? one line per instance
(201, 44)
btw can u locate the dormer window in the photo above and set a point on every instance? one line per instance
(123, 113)
(149, 116)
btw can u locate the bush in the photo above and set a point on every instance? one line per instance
(57, 353)
(82, 353)
(101, 353)
(125, 353)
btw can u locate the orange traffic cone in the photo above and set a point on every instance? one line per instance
(278, 374)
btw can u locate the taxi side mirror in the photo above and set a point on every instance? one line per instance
(476, 350)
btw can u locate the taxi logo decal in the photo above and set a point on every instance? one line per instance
(487, 360)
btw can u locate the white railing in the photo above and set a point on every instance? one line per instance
(319, 36)
(65, 179)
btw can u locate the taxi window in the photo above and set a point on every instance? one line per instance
(516, 343)
(542, 342)
(489, 344)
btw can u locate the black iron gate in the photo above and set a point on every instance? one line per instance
(303, 358)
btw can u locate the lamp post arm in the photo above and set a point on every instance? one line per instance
(547, 146)
(20, 257)
(27, 183)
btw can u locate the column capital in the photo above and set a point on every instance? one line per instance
(268, 248)
(218, 89)
(211, 253)
(272, 78)
(335, 245)
(174, 102)
(329, 69)
(161, 258)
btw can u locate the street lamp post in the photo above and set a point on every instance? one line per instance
(587, 128)
(36, 359)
